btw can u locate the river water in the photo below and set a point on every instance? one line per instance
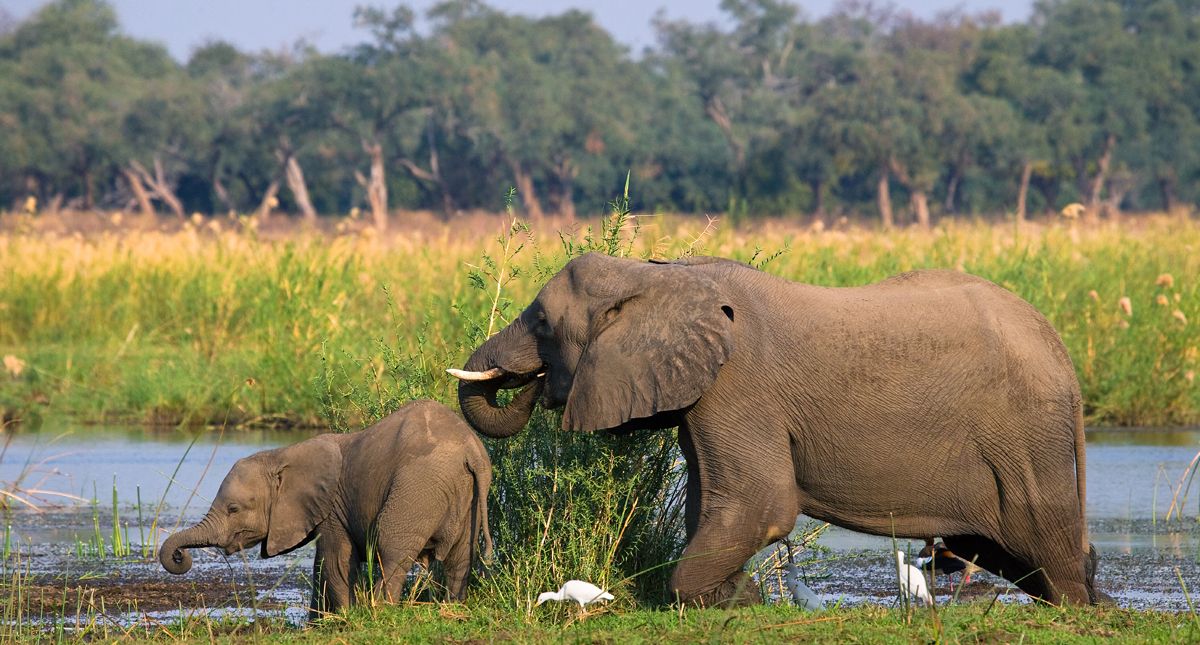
(59, 471)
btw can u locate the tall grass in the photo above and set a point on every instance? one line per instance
(199, 326)
(563, 505)
(206, 325)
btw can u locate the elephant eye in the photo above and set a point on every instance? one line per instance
(233, 508)
(542, 328)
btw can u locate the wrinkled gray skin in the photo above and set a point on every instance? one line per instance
(933, 403)
(418, 480)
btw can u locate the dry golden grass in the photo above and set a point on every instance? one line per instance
(166, 320)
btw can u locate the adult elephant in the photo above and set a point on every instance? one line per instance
(932, 403)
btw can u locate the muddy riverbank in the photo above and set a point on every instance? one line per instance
(59, 585)
(52, 571)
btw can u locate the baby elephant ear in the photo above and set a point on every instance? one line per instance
(655, 349)
(306, 477)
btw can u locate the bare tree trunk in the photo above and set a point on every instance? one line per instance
(269, 201)
(885, 199)
(566, 202)
(715, 108)
(165, 191)
(294, 176)
(1119, 184)
(222, 194)
(1023, 191)
(435, 169)
(1097, 186)
(950, 205)
(139, 192)
(377, 185)
(88, 194)
(920, 204)
(533, 207)
(1166, 188)
(818, 190)
(159, 185)
(564, 174)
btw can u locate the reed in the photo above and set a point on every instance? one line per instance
(161, 327)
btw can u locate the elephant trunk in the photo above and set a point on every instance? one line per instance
(485, 414)
(508, 359)
(173, 554)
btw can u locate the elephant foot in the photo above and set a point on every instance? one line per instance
(737, 591)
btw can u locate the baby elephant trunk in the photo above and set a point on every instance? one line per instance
(173, 554)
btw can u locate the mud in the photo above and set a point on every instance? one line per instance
(51, 582)
(1140, 580)
(1144, 564)
(57, 585)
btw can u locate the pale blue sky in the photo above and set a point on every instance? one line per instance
(273, 24)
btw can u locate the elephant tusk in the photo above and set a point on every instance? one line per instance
(464, 375)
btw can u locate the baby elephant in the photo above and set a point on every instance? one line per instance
(416, 483)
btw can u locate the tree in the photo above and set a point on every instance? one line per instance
(1091, 40)
(540, 96)
(71, 78)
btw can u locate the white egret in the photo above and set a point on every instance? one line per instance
(581, 592)
(805, 598)
(912, 581)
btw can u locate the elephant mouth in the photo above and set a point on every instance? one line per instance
(494, 417)
(239, 545)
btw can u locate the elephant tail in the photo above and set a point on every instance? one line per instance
(482, 475)
(1081, 472)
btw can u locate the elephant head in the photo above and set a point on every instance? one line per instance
(275, 497)
(611, 340)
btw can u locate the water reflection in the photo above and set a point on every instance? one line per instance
(179, 469)
(1105, 436)
(1132, 474)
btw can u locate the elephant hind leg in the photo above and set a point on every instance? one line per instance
(1039, 574)
(457, 566)
(396, 558)
(994, 558)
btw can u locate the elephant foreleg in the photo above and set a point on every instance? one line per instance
(710, 571)
(739, 499)
(691, 501)
(335, 569)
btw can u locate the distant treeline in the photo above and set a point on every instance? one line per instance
(1090, 101)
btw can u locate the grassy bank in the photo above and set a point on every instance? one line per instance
(439, 623)
(963, 623)
(214, 323)
(220, 323)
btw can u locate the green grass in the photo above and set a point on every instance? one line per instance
(202, 327)
(205, 326)
(768, 624)
(440, 623)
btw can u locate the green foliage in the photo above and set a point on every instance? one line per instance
(1091, 100)
(597, 507)
(563, 505)
(226, 328)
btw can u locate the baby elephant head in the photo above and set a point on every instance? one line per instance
(275, 497)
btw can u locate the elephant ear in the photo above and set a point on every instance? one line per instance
(306, 477)
(654, 349)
